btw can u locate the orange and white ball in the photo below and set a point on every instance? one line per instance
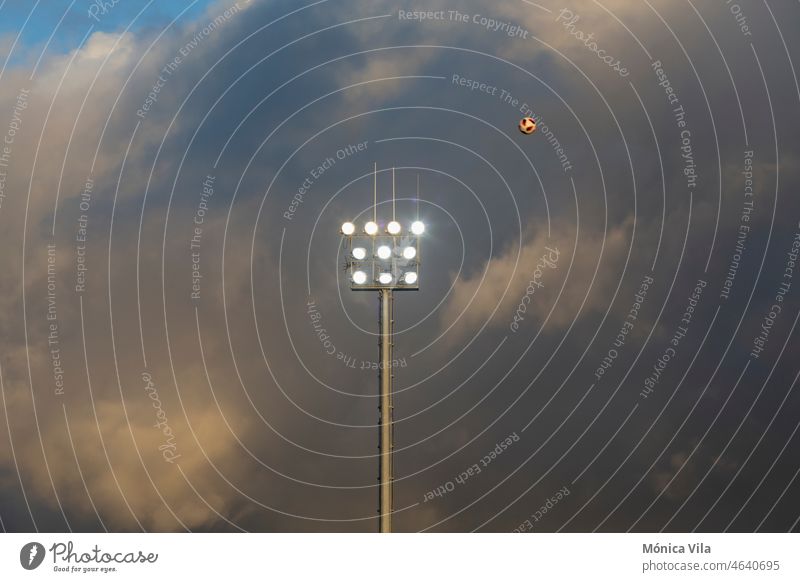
(527, 125)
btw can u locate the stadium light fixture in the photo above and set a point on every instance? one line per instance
(386, 263)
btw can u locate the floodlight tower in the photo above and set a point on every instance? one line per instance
(384, 260)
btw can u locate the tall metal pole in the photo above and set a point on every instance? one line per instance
(386, 444)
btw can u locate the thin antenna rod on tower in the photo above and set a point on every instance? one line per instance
(392, 193)
(375, 195)
(417, 196)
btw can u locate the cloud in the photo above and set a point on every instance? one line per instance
(94, 467)
(291, 428)
(562, 281)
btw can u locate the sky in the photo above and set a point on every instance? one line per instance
(604, 333)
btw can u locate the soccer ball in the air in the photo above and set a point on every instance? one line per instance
(527, 125)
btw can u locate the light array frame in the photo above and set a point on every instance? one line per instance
(373, 266)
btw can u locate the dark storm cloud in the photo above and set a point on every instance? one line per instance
(275, 433)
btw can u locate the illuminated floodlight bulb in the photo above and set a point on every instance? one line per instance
(348, 228)
(371, 228)
(409, 253)
(393, 227)
(417, 227)
(384, 252)
(410, 278)
(359, 277)
(359, 253)
(385, 278)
